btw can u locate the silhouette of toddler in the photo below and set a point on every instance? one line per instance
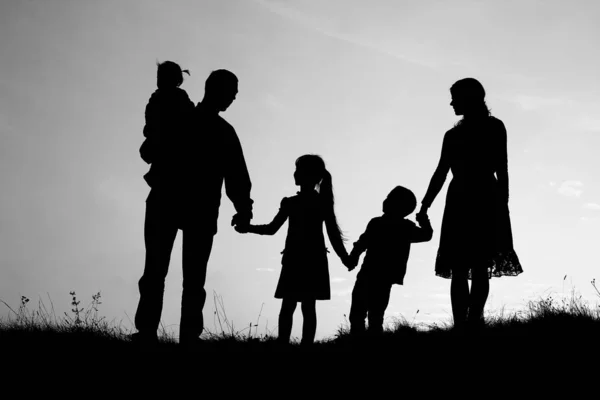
(167, 118)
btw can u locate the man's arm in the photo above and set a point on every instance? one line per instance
(237, 179)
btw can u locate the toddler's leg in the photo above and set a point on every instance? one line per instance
(286, 318)
(309, 325)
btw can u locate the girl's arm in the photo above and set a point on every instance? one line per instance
(270, 228)
(502, 163)
(335, 237)
(439, 176)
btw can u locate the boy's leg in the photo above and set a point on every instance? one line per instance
(286, 318)
(159, 236)
(379, 298)
(309, 324)
(197, 246)
(358, 308)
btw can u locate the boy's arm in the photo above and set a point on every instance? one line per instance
(363, 241)
(423, 232)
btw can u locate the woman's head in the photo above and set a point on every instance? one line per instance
(468, 98)
(169, 74)
(400, 202)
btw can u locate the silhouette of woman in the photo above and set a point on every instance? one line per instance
(476, 237)
(305, 273)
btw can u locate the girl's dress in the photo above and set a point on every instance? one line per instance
(304, 267)
(476, 230)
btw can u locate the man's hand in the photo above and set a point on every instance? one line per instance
(241, 219)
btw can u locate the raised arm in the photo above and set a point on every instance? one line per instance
(501, 165)
(439, 176)
(423, 232)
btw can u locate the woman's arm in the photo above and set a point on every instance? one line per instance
(501, 166)
(439, 176)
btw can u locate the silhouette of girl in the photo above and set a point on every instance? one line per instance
(476, 238)
(167, 116)
(305, 273)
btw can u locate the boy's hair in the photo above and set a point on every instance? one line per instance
(169, 74)
(401, 201)
(218, 79)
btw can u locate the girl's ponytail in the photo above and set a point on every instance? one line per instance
(327, 198)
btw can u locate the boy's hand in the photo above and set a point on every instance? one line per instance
(422, 218)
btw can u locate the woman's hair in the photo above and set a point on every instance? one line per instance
(314, 167)
(471, 91)
(169, 74)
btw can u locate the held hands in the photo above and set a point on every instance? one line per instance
(350, 262)
(241, 222)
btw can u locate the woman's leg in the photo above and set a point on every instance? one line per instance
(286, 318)
(309, 325)
(459, 295)
(480, 288)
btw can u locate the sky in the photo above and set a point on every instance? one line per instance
(363, 84)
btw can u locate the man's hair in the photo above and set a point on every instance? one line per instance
(219, 79)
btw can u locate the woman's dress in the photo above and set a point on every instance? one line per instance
(476, 230)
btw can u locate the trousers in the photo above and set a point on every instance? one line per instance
(160, 229)
(370, 298)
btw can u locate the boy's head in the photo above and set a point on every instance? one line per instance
(400, 202)
(169, 74)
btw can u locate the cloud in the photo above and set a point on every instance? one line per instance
(265, 269)
(588, 123)
(338, 280)
(592, 206)
(328, 27)
(571, 188)
(342, 292)
(530, 103)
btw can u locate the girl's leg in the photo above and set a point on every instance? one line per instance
(286, 318)
(480, 288)
(459, 295)
(309, 325)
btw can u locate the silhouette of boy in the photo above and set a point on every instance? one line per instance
(387, 242)
(167, 117)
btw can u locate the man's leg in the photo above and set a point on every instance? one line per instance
(159, 236)
(196, 252)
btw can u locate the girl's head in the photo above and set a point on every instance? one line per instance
(468, 98)
(169, 75)
(311, 172)
(401, 202)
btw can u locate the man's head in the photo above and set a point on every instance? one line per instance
(221, 89)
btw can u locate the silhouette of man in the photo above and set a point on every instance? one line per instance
(208, 154)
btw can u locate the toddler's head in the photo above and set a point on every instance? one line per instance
(169, 75)
(401, 202)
